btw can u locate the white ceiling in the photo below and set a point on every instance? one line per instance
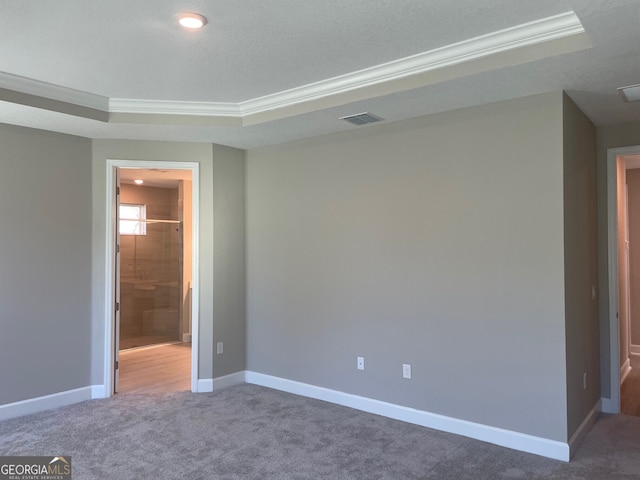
(632, 161)
(154, 177)
(268, 71)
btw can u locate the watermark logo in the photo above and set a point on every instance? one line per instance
(35, 468)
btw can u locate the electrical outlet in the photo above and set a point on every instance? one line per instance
(406, 370)
(593, 292)
(584, 381)
(220, 347)
(360, 363)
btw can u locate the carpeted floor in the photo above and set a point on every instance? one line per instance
(251, 432)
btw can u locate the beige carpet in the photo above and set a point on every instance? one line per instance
(251, 432)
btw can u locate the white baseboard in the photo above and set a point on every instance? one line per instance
(98, 391)
(205, 385)
(625, 370)
(634, 349)
(584, 427)
(186, 337)
(228, 380)
(210, 384)
(498, 436)
(46, 402)
(607, 405)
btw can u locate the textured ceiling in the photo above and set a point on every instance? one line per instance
(154, 177)
(253, 48)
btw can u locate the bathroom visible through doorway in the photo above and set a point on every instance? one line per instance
(154, 275)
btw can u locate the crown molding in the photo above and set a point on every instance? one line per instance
(509, 39)
(527, 34)
(170, 107)
(50, 91)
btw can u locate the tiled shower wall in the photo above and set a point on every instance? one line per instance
(152, 256)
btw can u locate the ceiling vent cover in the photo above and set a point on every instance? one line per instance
(361, 118)
(630, 93)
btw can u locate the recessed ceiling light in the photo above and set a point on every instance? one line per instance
(138, 181)
(192, 20)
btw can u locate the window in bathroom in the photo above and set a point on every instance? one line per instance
(132, 219)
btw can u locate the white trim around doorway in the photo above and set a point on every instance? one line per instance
(110, 270)
(612, 404)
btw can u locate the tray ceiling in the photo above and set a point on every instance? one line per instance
(264, 72)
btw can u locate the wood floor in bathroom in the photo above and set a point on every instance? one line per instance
(144, 340)
(630, 390)
(156, 369)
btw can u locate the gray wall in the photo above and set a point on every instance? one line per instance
(436, 242)
(580, 263)
(157, 151)
(45, 212)
(221, 247)
(614, 136)
(229, 302)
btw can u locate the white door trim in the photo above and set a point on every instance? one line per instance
(613, 406)
(110, 268)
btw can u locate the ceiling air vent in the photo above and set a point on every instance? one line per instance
(630, 93)
(361, 118)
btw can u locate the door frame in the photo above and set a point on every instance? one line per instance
(612, 405)
(109, 258)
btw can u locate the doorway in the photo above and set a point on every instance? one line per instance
(623, 303)
(153, 213)
(152, 330)
(630, 329)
